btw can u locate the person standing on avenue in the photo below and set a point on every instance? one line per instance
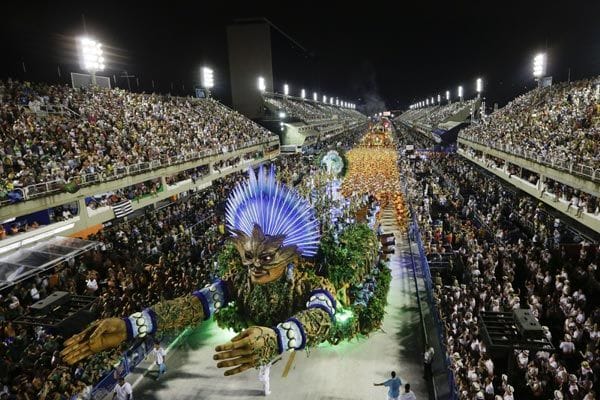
(264, 372)
(122, 390)
(407, 394)
(427, 361)
(393, 386)
(159, 356)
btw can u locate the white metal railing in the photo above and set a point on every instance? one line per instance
(583, 170)
(55, 186)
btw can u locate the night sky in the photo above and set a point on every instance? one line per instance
(375, 53)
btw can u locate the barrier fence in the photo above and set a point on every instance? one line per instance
(55, 186)
(425, 271)
(130, 359)
(583, 170)
(414, 235)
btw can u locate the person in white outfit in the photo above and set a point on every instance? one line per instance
(122, 390)
(264, 372)
(408, 394)
(159, 357)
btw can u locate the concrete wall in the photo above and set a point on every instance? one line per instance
(588, 219)
(249, 46)
(42, 203)
(564, 177)
(87, 218)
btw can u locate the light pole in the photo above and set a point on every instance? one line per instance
(303, 94)
(261, 84)
(479, 87)
(460, 93)
(539, 67)
(92, 59)
(207, 79)
(286, 90)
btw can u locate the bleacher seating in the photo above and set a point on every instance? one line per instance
(106, 131)
(560, 123)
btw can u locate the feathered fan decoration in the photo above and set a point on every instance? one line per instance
(277, 209)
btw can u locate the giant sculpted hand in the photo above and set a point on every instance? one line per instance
(101, 335)
(252, 347)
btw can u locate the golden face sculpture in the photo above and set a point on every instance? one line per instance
(265, 256)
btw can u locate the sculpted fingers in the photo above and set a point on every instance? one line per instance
(238, 361)
(231, 354)
(239, 369)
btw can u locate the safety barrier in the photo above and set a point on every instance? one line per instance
(425, 272)
(439, 325)
(46, 188)
(129, 360)
(563, 165)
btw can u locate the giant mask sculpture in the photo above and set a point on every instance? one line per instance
(273, 230)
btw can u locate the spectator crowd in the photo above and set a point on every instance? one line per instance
(103, 131)
(506, 252)
(167, 252)
(555, 123)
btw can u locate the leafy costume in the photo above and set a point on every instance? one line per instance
(277, 280)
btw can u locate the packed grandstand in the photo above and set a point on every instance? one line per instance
(504, 223)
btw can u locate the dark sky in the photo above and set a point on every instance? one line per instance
(399, 54)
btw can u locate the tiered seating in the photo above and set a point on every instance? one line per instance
(504, 264)
(102, 130)
(556, 123)
(310, 111)
(431, 117)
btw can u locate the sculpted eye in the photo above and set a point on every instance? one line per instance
(248, 255)
(267, 258)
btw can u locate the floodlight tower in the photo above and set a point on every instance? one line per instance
(261, 84)
(540, 63)
(92, 59)
(303, 94)
(460, 93)
(286, 90)
(315, 97)
(479, 86)
(207, 80)
(448, 96)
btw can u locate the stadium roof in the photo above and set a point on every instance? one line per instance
(29, 261)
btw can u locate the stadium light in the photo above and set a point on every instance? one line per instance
(261, 84)
(207, 79)
(432, 102)
(539, 65)
(286, 89)
(460, 92)
(479, 84)
(439, 98)
(331, 100)
(337, 101)
(447, 95)
(324, 99)
(427, 101)
(92, 59)
(303, 94)
(315, 97)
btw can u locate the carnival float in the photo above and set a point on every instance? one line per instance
(303, 265)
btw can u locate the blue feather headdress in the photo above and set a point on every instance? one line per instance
(277, 209)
